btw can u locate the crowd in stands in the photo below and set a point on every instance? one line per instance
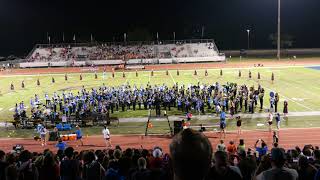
(123, 52)
(191, 157)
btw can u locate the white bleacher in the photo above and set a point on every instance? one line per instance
(103, 54)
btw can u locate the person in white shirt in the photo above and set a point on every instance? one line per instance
(106, 136)
(43, 133)
(270, 118)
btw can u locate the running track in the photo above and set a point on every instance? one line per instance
(288, 138)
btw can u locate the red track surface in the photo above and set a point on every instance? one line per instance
(170, 66)
(288, 138)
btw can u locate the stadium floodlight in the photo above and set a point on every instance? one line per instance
(278, 44)
(248, 31)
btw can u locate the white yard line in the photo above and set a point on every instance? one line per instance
(302, 105)
(172, 78)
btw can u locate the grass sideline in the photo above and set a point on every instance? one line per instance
(162, 127)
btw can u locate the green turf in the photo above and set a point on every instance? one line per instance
(300, 86)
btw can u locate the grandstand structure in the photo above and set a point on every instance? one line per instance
(128, 53)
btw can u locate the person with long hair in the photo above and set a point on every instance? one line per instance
(79, 135)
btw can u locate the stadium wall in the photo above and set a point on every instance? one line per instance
(272, 52)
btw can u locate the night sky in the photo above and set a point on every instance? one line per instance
(23, 23)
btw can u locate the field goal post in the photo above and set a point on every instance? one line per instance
(154, 117)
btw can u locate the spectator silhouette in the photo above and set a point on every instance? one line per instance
(191, 154)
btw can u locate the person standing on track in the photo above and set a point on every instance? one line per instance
(278, 120)
(106, 136)
(270, 118)
(223, 124)
(239, 122)
(79, 135)
(43, 133)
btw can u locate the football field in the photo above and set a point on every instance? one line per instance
(300, 86)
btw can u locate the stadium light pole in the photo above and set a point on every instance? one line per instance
(279, 31)
(248, 31)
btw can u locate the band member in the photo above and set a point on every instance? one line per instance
(250, 74)
(239, 122)
(80, 77)
(66, 77)
(95, 75)
(107, 137)
(112, 73)
(178, 73)
(206, 73)
(38, 82)
(239, 73)
(11, 86)
(167, 72)
(259, 75)
(136, 73)
(261, 95)
(285, 108)
(221, 72)
(123, 74)
(152, 72)
(53, 80)
(195, 72)
(272, 77)
(22, 84)
(276, 101)
(79, 135)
